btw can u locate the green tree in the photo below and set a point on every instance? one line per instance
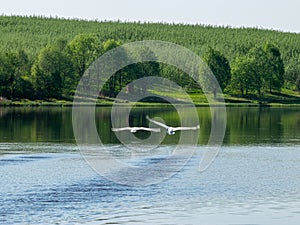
(219, 66)
(146, 66)
(244, 75)
(110, 88)
(4, 77)
(53, 73)
(14, 68)
(274, 77)
(260, 65)
(291, 75)
(83, 50)
(263, 68)
(110, 44)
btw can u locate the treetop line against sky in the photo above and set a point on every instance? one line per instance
(269, 14)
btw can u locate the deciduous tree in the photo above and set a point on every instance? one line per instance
(220, 67)
(244, 76)
(274, 78)
(52, 72)
(14, 68)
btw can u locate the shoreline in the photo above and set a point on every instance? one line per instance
(143, 104)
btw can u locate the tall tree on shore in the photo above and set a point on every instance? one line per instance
(260, 65)
(274, 78)
(52, 73)
(4, 77)
(14, 70)
(292, 73)
(244, 75)
(260, 68)
(110, 88)
(83, 50)
(220, 67)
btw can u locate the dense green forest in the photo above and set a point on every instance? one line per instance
(44, 58)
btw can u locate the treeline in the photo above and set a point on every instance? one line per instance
(42, 58)
(58, 67)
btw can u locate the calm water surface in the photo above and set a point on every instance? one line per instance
(254, 180)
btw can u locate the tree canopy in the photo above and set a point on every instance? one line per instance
(219, 65)
(43, 58)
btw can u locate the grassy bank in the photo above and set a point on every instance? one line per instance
(284, 98)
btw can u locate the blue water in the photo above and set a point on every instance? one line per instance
(46, 183)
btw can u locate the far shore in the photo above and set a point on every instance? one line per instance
(40, 103)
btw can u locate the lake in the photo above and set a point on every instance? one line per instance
(253, 180)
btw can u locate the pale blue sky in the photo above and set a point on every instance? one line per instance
(278, 15)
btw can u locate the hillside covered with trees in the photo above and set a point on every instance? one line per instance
(44, 58)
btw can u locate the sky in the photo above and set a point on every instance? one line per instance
(269, 14)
